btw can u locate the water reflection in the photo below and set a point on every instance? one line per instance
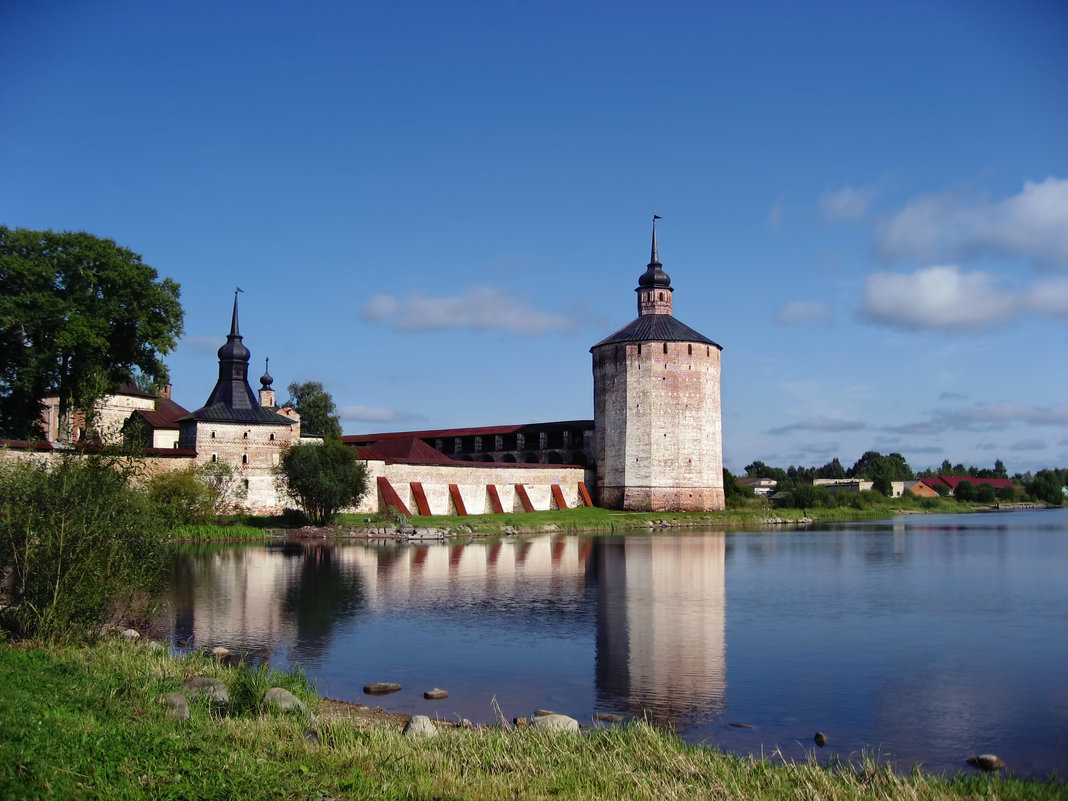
(927, 639)
(657, 605)
(661, 622)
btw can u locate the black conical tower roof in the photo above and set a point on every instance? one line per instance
(233, 400)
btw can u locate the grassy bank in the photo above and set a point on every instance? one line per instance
(582, 519)
(85, 723)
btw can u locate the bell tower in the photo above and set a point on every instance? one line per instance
(658, 440)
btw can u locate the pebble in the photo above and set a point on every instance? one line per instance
(436, 694)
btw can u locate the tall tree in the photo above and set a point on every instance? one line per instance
(873, 465)
(318, 415)
(78, 316)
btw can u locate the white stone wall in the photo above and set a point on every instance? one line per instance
(253, 451)
(472, 481)
(113, 412)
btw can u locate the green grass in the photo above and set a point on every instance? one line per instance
(581, 519)
(84, 723)
(597, 519)
(211, 532)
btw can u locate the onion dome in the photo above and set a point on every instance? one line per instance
(233, 350)
(265, 379)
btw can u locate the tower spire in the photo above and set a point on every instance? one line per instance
(654, 256)
(654, 285)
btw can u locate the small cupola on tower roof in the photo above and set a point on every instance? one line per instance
(654, 285)
(266, 390)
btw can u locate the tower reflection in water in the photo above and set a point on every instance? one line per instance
(661, 625)
(655, 634)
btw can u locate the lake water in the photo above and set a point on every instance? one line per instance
(923, 639)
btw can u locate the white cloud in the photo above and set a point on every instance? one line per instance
(1028, 445)
(936, 298)
(778, 210)
(1004, 413)
(1049, 298)
(819, 424)
(366, 414)
(482, 308)
(817, 449)
(1031, 225)
(847, 203)
(805, 311)
(922, 427)
(202, 344)
(379, 307)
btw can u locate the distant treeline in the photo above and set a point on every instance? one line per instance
(1045, 485)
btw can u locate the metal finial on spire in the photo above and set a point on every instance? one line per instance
(654, 256)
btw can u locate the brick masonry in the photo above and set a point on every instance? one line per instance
(658, 431)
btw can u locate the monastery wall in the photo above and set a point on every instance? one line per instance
(472, 481)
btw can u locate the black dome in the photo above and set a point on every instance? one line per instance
(654, 277)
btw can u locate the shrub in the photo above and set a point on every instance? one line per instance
(806, 496)
(77, 544)
(966, 492)
(180, 496)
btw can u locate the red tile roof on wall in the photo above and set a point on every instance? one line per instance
(361, 439)
(165, 415)
(26, 445)
(953, 481)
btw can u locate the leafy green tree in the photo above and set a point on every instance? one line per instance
(984, 493)
(1047, 485)
(883, 485)
(318, 415)
(78, 544)
(833, 469)
(873, 465)
(78, 316)
(734, 493)
(758, 469)
(323, 479)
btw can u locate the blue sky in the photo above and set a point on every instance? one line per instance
(437, 208)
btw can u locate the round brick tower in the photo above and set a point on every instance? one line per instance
(656, 404)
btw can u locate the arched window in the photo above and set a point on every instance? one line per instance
(272, 437)
(213, 435)
(665, 347)
(215, 457)
(244, 458)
